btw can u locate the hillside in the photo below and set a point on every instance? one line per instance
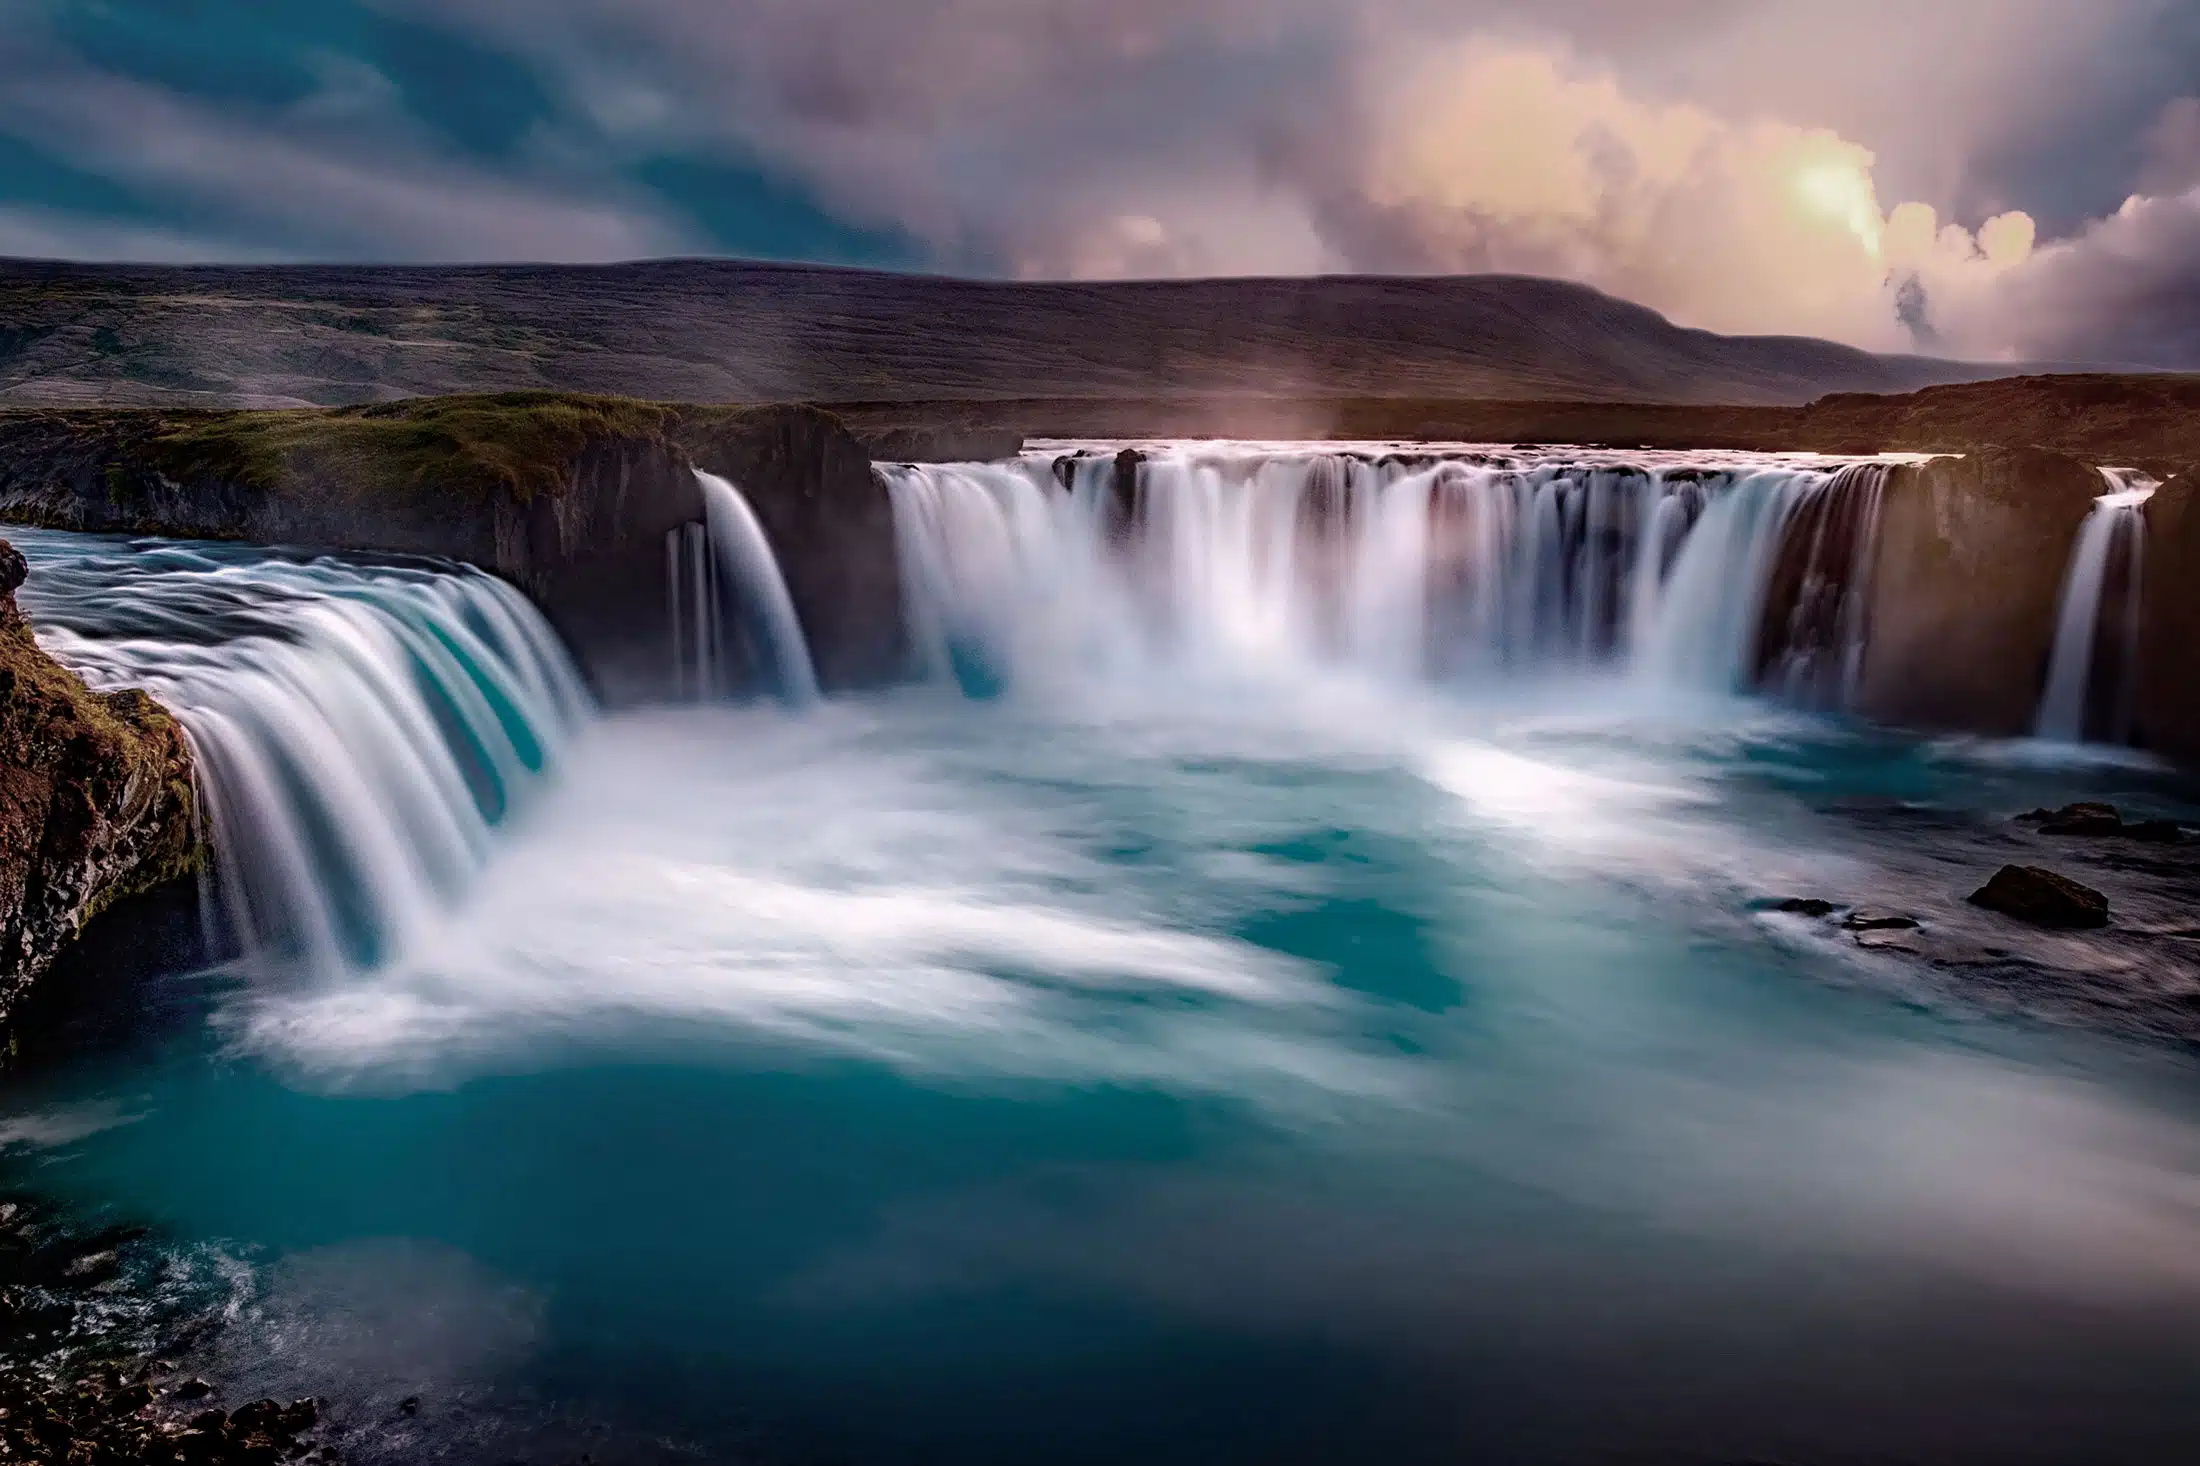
(726, 331)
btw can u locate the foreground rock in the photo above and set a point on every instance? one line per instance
(2044, 898)
(82, 1377)
(96, 799)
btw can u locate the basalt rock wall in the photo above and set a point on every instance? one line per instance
(830, 523)
(1966, 587)
(570, 499)
(2168, 711)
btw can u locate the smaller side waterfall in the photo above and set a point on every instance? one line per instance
(725, 592)
(2092, 677)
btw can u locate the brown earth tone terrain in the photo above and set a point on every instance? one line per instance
(730, 331)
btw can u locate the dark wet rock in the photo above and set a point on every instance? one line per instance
(1866, 919)
(96, 802)
(2085, 820)
(1967, 586)
(410, 1405)
(1120, 508)
(80, 1378)
(94, 1266)
(2155, 832)
(2043, 898)
(1809, 906)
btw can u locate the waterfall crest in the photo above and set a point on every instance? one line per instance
(2092, 676)
(1402, 562)
(727, 595)
(360, 729)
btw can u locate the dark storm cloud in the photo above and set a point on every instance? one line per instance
(1740, 166)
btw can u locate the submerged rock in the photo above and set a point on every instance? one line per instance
(2042, 897)
(96, 801)
(2084, 819)
(2100, 821)
(1866, 919)
(1809, 906)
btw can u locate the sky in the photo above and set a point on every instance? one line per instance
(1994, 179)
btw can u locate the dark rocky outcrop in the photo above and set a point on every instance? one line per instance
(830, 522)
(1972, 555)
(2168, 712)
(2041, 897)
(1122, 503)
(95, 799)
(569, 498)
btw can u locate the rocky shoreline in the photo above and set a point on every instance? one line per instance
(2072, 916)
(87, 1360)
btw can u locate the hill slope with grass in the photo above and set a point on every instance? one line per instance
(731, 331)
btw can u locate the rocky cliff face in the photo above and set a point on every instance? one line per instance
(96, 799)
(570, 498)
(1972, 556)
(2169, 635)
(831, 523)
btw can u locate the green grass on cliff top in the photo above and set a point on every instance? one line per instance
(519, 442)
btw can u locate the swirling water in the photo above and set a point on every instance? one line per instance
(1246, 1045)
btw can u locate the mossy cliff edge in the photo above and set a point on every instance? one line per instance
(96, 801)
(569, 497)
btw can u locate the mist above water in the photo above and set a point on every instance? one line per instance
(1290, 974)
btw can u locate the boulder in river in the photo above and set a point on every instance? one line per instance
(2042, 897)
(2080, 819)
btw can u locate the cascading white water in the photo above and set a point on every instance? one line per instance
(2085, 698)
(1405, 562)
(694, 611)
(725, 588)
(360, 729)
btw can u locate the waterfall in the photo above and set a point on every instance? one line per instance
(1817, 622)
(1398, 562)
(698, 627)
(725, 590)
(2091, 679)
(360, 729)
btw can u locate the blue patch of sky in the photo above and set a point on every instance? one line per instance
(481, 106)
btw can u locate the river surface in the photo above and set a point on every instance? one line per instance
(1240, 1060)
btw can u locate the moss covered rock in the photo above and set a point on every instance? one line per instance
(96, 800)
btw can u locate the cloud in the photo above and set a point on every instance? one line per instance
(49, 234)
(2173, 149)
(332, 176)
(1733, 165)
(2126, 289)
(1883, 172)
